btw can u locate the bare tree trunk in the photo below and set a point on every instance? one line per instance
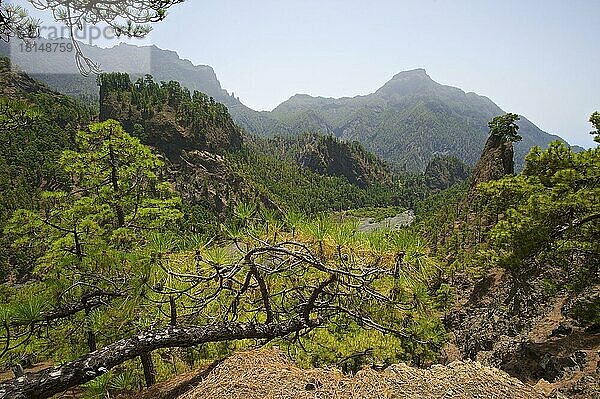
(92, 341)
(49, 382)
(173, 308)
(91, 336)
(149, 370)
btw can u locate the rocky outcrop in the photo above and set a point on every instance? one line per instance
(205, 178)
(511, 321)
(16, 85)
(327, 155)
(192, 140)
(495, 162)
(162, 126)
(445, 171)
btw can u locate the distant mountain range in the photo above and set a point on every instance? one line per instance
(408, 121)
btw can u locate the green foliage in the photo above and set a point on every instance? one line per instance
(587, 311)
(115, 195)
(595, 121)
(504, 127)
(377, 214)
(108, 222)
(33, 133)
(113, 81)
(154, 110)
(350, 346)
(244, 211)
(550, 212)
(15, 114)
(443, 172)
(326, 155)
(302, 190)
(99, 233)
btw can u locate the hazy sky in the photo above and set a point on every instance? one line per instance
(540, 58)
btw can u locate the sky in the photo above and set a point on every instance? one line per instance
(537, 58)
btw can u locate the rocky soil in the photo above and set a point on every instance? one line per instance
(518, 327)
(269, 373)
(395, 222)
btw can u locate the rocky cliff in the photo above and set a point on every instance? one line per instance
(496, 161)
(192, 133)
(329, 156)
(443, 172)
(515, 323)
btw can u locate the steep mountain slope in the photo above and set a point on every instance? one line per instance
(407, 121)
(210, 164)
(525, 304)
(206, 159)
(327, 155)
(60, 72)
(36, 125)
(443, 172)
(190, 130)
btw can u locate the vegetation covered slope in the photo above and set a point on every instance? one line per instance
(125, 285)
(204, 153)
(407, 121)
(523, 256)
(36, 125)
(327, 155)
(442, 172)
(118, 274)
(111, 259)
(211, 165)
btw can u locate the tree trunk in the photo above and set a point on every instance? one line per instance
(173, 308)
(149, 370)
(49, 382)
(91, 336)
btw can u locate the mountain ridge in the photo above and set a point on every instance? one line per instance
(407, 121)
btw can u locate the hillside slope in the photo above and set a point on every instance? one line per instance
(327, 155)
(408, 121)
(211, 165)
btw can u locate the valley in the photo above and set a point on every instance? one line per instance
(160, 239)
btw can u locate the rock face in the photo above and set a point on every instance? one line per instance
(443, 172)
(329, 156)
(193, 152)
(326, 155)
(509, 321)
(163, 126)
(495, 162)
(17, 85)
(270, 374)
(205, 178)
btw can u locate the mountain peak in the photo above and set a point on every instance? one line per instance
(407, 82)
(412, 73)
